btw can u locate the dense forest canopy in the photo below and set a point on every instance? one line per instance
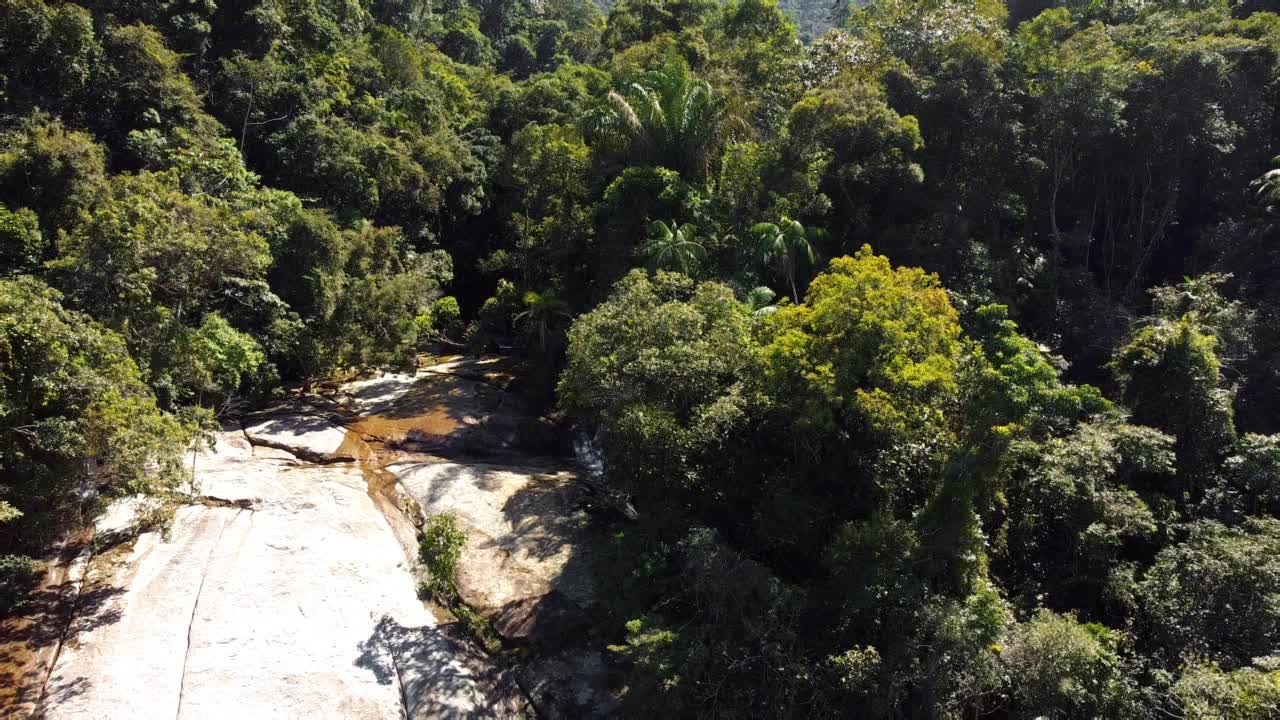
(939, 352)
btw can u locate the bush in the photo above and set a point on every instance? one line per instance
(440, 548)
(446, 316)
(1213, 596)
(1205, 691)
(1062, 668)
(18, 575)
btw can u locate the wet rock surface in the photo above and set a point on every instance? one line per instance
(288, 586)
(460, 444)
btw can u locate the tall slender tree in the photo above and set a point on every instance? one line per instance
(672, 246)
(670, 118)
(544, 312)
(785, 244)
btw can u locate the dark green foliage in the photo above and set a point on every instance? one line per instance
(55, 172)
(1021, 463)
(78, 422)
(49, 56)
(1072, 515)
(1250, 478)
(153, 263)
(22, 246)
(736, 659)
(18, 573)
(668, 119)
(1215, 568)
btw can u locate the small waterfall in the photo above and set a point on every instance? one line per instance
(590, 458)
(587, 450)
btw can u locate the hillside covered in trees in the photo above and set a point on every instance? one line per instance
(939, 356)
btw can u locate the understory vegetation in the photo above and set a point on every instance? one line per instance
(938, 353)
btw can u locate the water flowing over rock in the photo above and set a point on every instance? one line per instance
(287, 585)
(465, 446)
(590, 457)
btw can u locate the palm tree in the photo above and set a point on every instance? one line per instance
(673, 246)
(670, 118)
(1265, 189)
(784, 244)
(759, 301)
(544, 311)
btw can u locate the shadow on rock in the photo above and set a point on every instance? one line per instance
(55, 613)
(544, 516)
(439, 674)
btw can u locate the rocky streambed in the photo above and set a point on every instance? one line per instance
(287, 587)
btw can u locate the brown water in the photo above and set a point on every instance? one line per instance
(373, 456)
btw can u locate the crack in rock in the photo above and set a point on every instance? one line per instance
(182, 687)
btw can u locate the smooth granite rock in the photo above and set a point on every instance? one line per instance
(311, 436)
(287, 595)
(525, 565)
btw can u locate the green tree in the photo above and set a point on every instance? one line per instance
(1251, 477)
(1015, 388)
(22, 246)
(1169, 376)
(866, 152)
(76, 418)
(49, 58)
(56, 172)
(1060, 668)
(1072, 514)
(670, 119)
(872, 346)
(785, 244)
(1190, 583)
(543, 314)
(549, 165)
(353, 295)
(673, 247)
(873, 353)
(1205, 691)
(153, 261)
(660, 365)
(214, 359)
(1077, 78)
(18, 573)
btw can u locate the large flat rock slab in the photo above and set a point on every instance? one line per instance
(297, 602)
(497, 370)
(302, 431)
(525, 565)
